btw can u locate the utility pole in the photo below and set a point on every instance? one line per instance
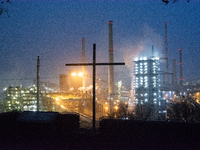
(38, 84)
(94, 76)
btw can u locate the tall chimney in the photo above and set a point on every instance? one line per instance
(174, 77)
(181, 71)
(111, 67)
(166, 56)
(83, 61)
(38, 84)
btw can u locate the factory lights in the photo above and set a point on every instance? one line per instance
(146, 80)
(80, 74)
(75, 74)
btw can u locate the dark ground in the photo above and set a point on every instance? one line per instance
(93, 141)
(112, 134)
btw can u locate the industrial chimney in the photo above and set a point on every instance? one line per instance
(38, 84)
(111, 67)
(174, 77)
(166, 56)
(181, 69)
(83, 61)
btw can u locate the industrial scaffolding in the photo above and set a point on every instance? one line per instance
(147, 88)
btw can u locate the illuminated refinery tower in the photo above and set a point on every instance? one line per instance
(111, 67)
(147, 81)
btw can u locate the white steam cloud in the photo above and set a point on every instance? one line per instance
(142, 47)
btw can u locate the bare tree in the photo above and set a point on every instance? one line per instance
(172, 1)
(147, 111)
(123, 110)
(2, 6)
(184, 111)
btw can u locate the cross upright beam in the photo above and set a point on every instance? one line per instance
(94, 64)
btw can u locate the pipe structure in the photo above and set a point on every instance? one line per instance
(166, 56)
(83, 61)
(38, 84)
(174, 77)
(181, 69)
(111, 67)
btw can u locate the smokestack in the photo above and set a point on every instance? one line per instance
(38, 84)
(111, 67)
(166, 56)
(174, 77)
(181, 71)
(83, 61)
(152, 51)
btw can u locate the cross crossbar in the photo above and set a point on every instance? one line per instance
(96, 64)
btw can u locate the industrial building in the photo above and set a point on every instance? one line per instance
(147, 87)
(154, 87)
(64, 83)
(25, 99)
(146, 81)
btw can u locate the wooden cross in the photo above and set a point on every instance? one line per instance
(94, 64)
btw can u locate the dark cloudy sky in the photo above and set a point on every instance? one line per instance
(53, 29)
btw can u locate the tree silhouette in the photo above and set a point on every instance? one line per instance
(122, 110)
(147, 111)
(2, 8)
(184, 111)
(173, 1)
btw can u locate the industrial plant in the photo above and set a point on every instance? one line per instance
(155, 89)
(147, 85)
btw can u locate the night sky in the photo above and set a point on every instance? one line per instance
(53, 29)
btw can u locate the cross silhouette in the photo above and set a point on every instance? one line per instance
(94, 64)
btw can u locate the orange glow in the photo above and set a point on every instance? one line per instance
(73, 74)
(80, 74)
